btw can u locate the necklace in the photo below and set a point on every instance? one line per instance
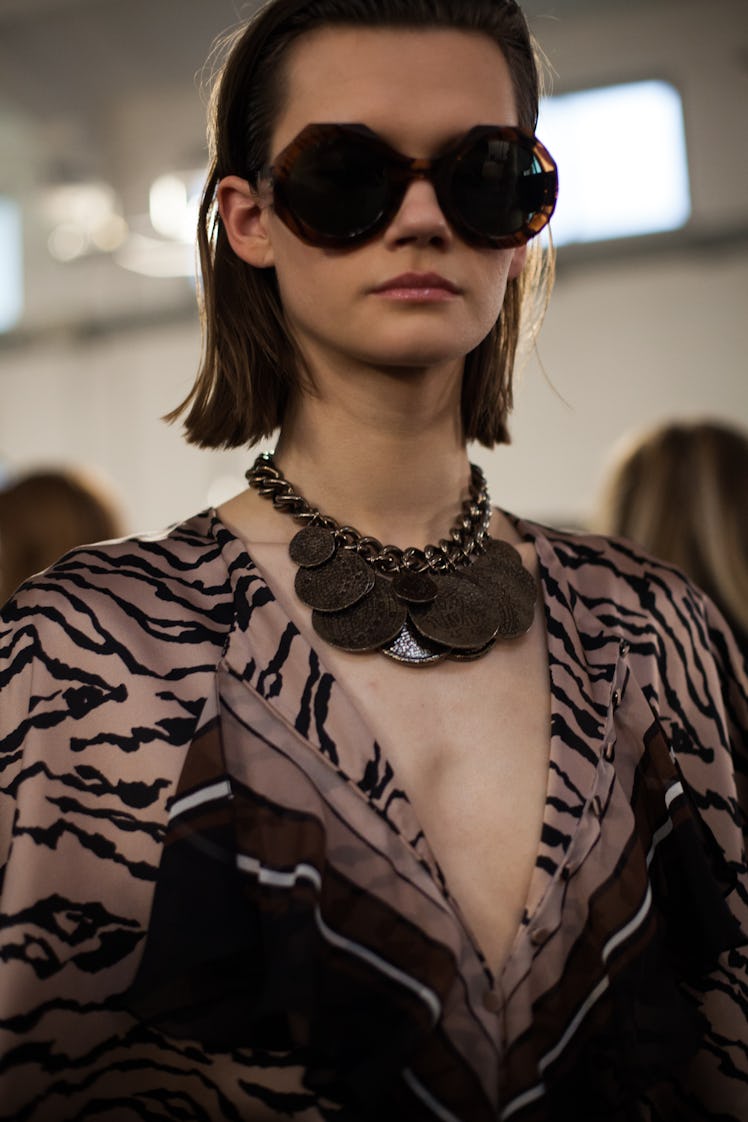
(418, 606)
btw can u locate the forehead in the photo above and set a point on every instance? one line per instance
(414, 87)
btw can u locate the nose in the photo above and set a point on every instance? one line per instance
(420, 218)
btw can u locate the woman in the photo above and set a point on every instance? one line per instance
(452, 829)
(680, 490)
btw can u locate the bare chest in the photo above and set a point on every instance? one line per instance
(469, 744)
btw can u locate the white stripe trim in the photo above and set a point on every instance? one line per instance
(657, 837)
(425, 1096)
(615, 941)
(672, 792)
(592, 999)
(221, 789)
(539, 1088)
(523, 1100)
(275, 877)
(427, 996)
(281, 879)
(623, 934)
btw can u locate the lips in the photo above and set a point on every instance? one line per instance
(418, 281)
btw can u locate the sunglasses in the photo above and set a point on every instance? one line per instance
(341, 185)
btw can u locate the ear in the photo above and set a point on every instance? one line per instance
(244, 216)
(517, 264)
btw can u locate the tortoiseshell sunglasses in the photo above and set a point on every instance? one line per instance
(340, 185)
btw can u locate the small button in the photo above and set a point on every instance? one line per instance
(609, 751)
(538, 935)
(492, 1001)
(596, 806)
(623, 647)
(616, 698)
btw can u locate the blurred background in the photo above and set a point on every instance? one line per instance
(102, 126)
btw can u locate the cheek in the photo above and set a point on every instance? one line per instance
(491, 289)
(303, 272)
(317, 287)
(295, 293)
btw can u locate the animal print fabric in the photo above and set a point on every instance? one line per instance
(217, 902)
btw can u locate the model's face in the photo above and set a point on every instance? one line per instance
(419, 91)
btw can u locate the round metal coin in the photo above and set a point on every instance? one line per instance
(509, 583)
(313, 545)
(521, 592)
(499, 556)
(414, 588)
(461, 616)
(337, 584)
(513, 595)
(369, 624)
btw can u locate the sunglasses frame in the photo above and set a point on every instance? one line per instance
(403, 170)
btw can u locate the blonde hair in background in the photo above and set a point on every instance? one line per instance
(681, 491)
(44, 514)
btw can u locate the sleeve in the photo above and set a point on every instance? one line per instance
(102, 678)
(713, 760)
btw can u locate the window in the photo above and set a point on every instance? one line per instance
(11, 264)
(622, 165)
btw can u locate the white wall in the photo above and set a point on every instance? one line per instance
(621, 348)
(99, 403)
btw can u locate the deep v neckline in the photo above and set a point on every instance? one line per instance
(355, 763)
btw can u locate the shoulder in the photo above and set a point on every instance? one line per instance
(112, 650)
(154, 607)
(682, 649)
(621, 584)
(182, 569)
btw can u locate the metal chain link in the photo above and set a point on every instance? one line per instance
(466, 536)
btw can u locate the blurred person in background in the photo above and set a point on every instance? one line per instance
(681, 491)
(45, 513)
(300, 824)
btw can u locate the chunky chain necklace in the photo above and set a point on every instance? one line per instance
(418, 606)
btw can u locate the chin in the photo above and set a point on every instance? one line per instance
(415, 359)
(424, 351)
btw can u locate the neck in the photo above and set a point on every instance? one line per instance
(384, 454)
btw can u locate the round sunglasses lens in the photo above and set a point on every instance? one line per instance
(492, 184)
(338, 189)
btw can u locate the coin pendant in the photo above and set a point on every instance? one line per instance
(365, 626)
(521, 591)
(461, 616)
(313, 545)
(414, 588)
(337, 584)
(499, 572)
(498, 555)
(512, 591)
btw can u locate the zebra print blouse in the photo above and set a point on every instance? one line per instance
(217, 903)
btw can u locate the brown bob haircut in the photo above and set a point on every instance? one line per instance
(250, 365)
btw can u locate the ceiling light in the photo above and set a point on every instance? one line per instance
(174, 201)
